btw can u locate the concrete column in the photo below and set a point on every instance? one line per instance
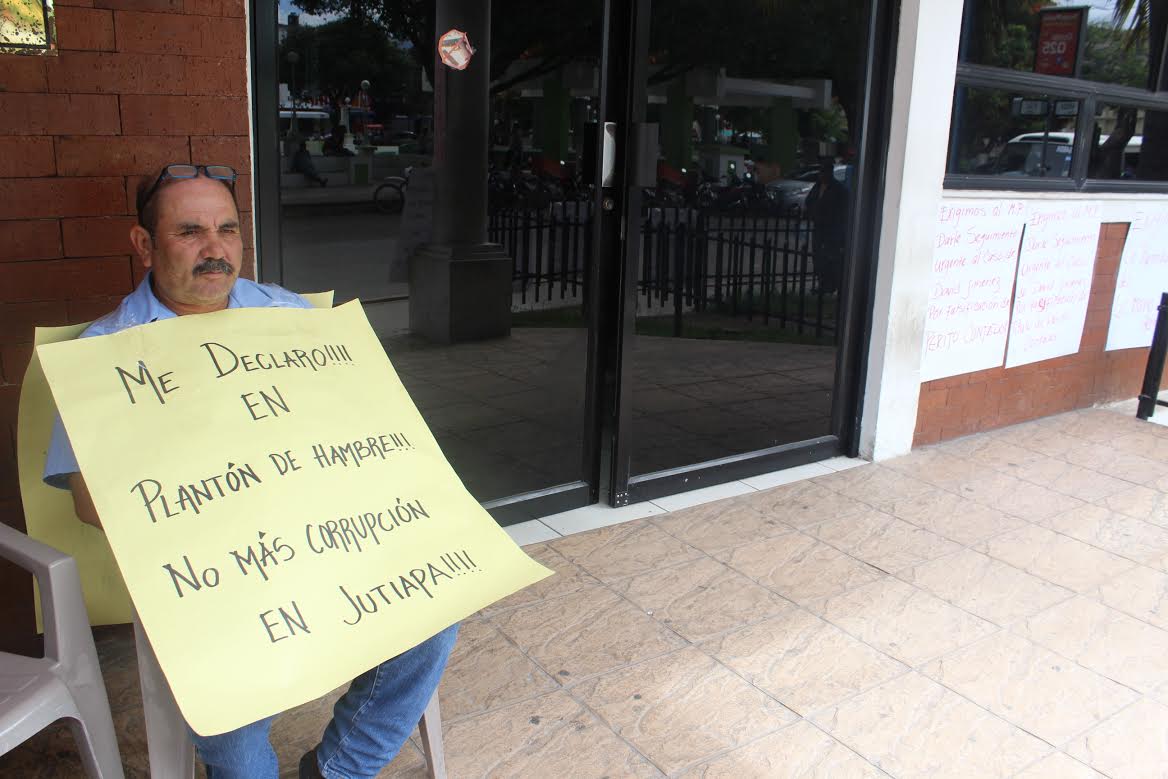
(677, 126)
(926, 66)
(460, 285)
(783, 134)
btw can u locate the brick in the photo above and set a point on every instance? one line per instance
(88, 309)
(125, 155)
(25, 156)
(168, 115)
(167, 6)
(23, 74)
(119, 73)
(41, 114)
(155, 33)
(225, 76)
(22, 282)
(33, 239)
(99, 236)
(232, 8)
(29, 198)
(224, 150)
(84, 29)
(17, 320)
(13, 361)
(73, 3)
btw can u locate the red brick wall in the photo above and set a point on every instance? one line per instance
(983, 400)
(137, 84)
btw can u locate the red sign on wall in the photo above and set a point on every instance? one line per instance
(1059, 41)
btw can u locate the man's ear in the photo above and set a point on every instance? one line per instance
(143, 244)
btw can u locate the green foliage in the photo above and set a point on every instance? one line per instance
(335, 57)
(1115, 57)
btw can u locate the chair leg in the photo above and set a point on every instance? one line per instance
(93, 732)
(172, 754)
(430, 728)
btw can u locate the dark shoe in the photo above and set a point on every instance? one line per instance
(309, 769)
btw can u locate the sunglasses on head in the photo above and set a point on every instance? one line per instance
(224, 173)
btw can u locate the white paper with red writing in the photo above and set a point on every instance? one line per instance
(1143, 276)
(975, 257)
(1055, 268)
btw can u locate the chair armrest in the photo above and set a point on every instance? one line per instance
(65, 617)
(28, 553)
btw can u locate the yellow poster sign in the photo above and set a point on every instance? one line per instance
(281, 515)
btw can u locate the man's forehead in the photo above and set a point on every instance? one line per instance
(198, 197)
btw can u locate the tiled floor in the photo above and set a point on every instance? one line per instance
(995, 606)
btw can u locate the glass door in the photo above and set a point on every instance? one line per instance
(377, 161)
(749, 195)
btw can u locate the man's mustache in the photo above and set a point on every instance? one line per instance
(214, 266)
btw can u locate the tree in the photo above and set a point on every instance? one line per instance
(1148, 21)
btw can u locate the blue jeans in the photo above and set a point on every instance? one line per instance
(370, 722)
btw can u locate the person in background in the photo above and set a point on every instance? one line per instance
(302, 163)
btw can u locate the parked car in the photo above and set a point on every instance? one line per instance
(790, 193)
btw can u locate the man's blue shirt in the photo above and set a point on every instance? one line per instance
(141, 307)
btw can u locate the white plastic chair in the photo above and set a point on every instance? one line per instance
(66, 683)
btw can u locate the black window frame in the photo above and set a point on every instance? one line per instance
(1089, 93)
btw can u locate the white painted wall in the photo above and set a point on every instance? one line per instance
(922, 97)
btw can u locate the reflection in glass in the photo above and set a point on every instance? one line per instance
(1115, 49)
(745, 233)
(1130, 144)
(1002, 133)
(357, 131)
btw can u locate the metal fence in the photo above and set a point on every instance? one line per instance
(754, 266)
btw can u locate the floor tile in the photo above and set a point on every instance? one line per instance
(799, 751)
(1072, 480)
(681, 708)
(568, 578)
(585, 633)
(1146, 503)
(701, 598)
(802, 661)
(844, 463)
(1140, 592)
(1133, 743)
(1032, 502)
(720, 525)
(902, 621)
(1057, 765)
(1056, 558)
(1118, 464)
(1117, 533)
(531, 532)
(806, 503)
(882, 540)
(913, 727)
(787, 476)
(952, 516)
(486, 671)
(551, 736)
(1033, 688)
(593, 517)
(877, 486)
(799, 567)
(683, 500)
(1104, 640)
(984, 586)
(623, 550)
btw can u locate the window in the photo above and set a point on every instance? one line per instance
(1055, 95)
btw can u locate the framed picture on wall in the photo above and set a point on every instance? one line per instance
(27, 27)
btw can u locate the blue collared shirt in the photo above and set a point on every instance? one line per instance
(142, 307)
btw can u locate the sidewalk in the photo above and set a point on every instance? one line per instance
(994, 606)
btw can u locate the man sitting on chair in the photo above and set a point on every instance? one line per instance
(188, 238)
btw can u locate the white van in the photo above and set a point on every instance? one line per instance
(1023, 155)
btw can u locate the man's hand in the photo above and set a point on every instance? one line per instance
(82, 502)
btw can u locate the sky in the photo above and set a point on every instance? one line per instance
(287, 6)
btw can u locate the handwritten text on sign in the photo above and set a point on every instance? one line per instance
(975, 255)
(282, 516)
(1055, 269)
(1143, 276)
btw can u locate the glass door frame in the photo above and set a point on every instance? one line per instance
(624, 92)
